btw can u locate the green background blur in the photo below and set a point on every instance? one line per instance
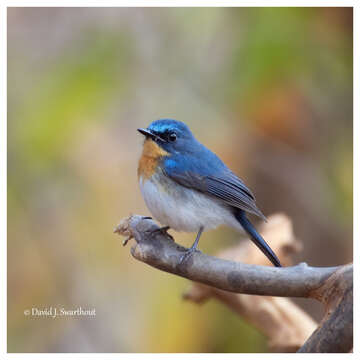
(268, 89)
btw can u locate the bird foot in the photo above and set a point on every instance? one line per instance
(187, 254)
(163, 231)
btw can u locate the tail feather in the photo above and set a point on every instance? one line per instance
(256, 237)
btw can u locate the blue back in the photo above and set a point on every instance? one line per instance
(187, 153)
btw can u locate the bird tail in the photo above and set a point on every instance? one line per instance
(256, 237)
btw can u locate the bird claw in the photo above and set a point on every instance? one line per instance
(163, 231)
(187, 254)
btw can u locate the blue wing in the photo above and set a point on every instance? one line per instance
(212, 177)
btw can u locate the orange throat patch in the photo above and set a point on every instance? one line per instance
(150, 157)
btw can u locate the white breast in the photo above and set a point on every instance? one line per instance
(181, 208)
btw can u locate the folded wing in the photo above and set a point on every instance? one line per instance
(220, 183)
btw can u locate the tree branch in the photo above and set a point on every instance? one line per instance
(335, 332)
(330, 285)
(285, 325)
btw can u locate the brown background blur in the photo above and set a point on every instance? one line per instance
(268, 89)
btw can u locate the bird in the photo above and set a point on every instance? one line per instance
(188, 188)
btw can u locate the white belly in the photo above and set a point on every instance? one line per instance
(183, 209)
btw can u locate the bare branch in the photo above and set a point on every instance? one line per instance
(330, 285)
(285, 325)
(335, 333)
(162, 252)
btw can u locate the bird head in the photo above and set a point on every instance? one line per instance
(170, 135)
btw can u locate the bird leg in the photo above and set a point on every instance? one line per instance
(193, 248)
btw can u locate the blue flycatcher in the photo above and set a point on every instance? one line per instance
(188, 188)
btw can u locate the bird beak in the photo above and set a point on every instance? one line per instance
(148, 134)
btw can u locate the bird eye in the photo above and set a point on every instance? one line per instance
(172, 137)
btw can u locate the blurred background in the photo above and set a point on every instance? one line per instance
(268, 89)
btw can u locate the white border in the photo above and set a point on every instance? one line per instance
(160, 3)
